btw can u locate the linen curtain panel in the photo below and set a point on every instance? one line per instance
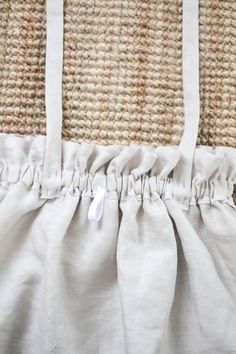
(111, 249)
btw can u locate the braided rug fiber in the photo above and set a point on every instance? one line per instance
(122, 79)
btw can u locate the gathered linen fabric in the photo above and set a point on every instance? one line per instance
(150, 277)
(152, 270)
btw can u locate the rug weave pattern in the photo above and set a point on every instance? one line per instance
(122, 71)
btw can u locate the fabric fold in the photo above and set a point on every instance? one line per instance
(149, 277)
(123, 172)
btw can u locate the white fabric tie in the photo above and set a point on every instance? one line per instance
(51, 181)
(96, 208)
(190, 65)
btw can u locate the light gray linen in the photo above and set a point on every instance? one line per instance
(149, 278)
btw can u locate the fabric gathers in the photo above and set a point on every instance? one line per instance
(122, 172)
(149, 277)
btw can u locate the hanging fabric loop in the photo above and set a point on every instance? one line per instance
(190, 68)
(51, 181)
(96, 208)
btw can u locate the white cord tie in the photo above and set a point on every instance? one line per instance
(96, 208)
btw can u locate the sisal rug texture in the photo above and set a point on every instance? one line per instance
(122, 79)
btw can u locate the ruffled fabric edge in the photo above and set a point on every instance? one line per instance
(122, 171)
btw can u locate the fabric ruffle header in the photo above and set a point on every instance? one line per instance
(123, 172)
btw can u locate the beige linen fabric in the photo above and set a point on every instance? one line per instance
(150, 277)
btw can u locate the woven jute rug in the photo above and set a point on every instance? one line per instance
(122, 71)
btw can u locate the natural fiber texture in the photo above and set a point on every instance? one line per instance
(218, 72)
(122, 70)
(22, 67)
